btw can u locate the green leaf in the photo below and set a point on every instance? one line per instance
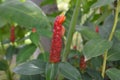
(96, 47)
(31, 68)
(10, 51)
(32, 77)
(51, 71)
(114, 52)
(87, 33)
(113, 74)
(106, 28)
(96, 62)
(25, 53)
(94, 74)
(3, 65)
(25, 13)
(46, 2)
(35, 38)
(100, 3)
(68, 71)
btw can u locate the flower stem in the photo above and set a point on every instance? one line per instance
(110, 38)
(9, 74)
(71, 30)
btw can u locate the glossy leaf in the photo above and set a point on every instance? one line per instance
(69, 72)
(94, 74)
(106, 28)
(113, 74)
(24, 13)
(51, 71)
(114, 52)
(25, 53)
(96, 47)
(32, 77)
(31, 68)
(45, 2)
(100, 3)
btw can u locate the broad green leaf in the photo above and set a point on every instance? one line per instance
(10, 51)
(31, 68)
(35, 38)
(25, 53)
(86, 76)
(96, 62)
(88, 33)
(3, 65)
(96, 47)
(106, 28)
(69, 72)
(100, 3)
(32, 77)
(114, 52)
(46, 2)
(94, 74)
(51, 71)
(24, 13)
(113, 74)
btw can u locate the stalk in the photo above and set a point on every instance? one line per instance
(110, 37)
(8, 73)
(71, 30)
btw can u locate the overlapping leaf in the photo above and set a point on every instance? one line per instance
(31, 68)
(96, 47)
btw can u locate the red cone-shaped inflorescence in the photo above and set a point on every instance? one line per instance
(56, 44)
(82, 63)
(97, 29)
(12, 34)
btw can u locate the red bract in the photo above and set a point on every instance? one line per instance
(56, 44)
(97, 29)
(82, 63)
(12, 34)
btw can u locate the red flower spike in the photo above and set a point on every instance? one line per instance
(33, 30)
(97, 29)
(82, 63)
(56, 44)
(12, 34)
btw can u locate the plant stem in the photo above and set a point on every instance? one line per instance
(110, 38)
(9, 74)
(71, 30)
